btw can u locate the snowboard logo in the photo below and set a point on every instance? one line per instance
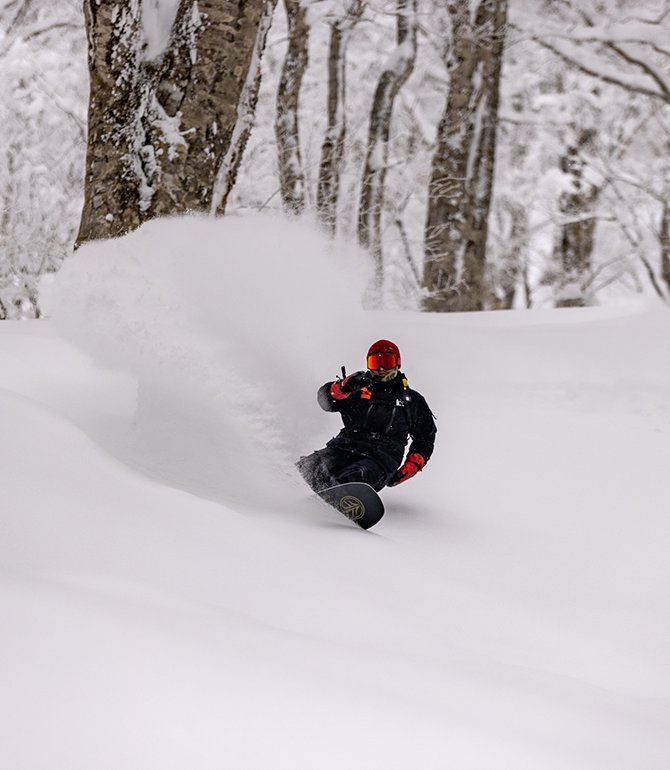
(352, 507)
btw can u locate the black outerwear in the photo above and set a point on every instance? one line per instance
(371, 445)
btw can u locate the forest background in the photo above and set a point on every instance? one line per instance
(578, 210)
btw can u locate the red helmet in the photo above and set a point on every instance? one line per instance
(383, 353)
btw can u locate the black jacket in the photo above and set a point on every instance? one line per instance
(383, 423)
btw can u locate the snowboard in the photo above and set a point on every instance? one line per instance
(357, 501)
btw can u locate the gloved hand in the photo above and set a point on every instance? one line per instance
(412, 465)
(356, 381)
(359, 381)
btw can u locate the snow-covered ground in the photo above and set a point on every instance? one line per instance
(172, 598)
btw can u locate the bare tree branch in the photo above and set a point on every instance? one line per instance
(617, 79)
(615, 44)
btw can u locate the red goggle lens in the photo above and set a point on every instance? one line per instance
(383, 360)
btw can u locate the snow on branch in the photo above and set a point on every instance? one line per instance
(635, 32)
(35, 30)
(598, 47)
(592, 64)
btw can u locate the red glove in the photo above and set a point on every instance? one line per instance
(354, 383)
(412, 465)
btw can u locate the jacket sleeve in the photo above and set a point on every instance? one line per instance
(330, 404)
(423, 429)
(325, 400)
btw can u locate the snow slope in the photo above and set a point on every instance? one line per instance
(172, 598)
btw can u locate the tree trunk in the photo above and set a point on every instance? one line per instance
(574, 247)
(291, 174)
(505, 276)
(461, 183)
(396, 71)
(665, 246)
(246, 112)
(332, 150)
(159, 127)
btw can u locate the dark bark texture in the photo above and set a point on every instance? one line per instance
(158, 129)
(576, 239)
(246, 113)
(462, 171)
(332, 150)
(287, 133)
(665, 247)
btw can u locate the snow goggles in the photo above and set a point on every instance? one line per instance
(382, 360)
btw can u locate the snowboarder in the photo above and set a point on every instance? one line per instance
(380, 413)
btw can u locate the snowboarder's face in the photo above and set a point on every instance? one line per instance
(384, 375)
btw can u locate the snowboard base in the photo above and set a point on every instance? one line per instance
(357, 501)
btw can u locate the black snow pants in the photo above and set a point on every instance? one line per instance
(335, 465)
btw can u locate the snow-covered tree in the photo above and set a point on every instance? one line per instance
(287, 125)
(573, 250)
(460, 189)
(42, 142)
(579, 205)
(396, 71)
(246, 114)
(332, 149)
(621, 48)
(166, 82)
